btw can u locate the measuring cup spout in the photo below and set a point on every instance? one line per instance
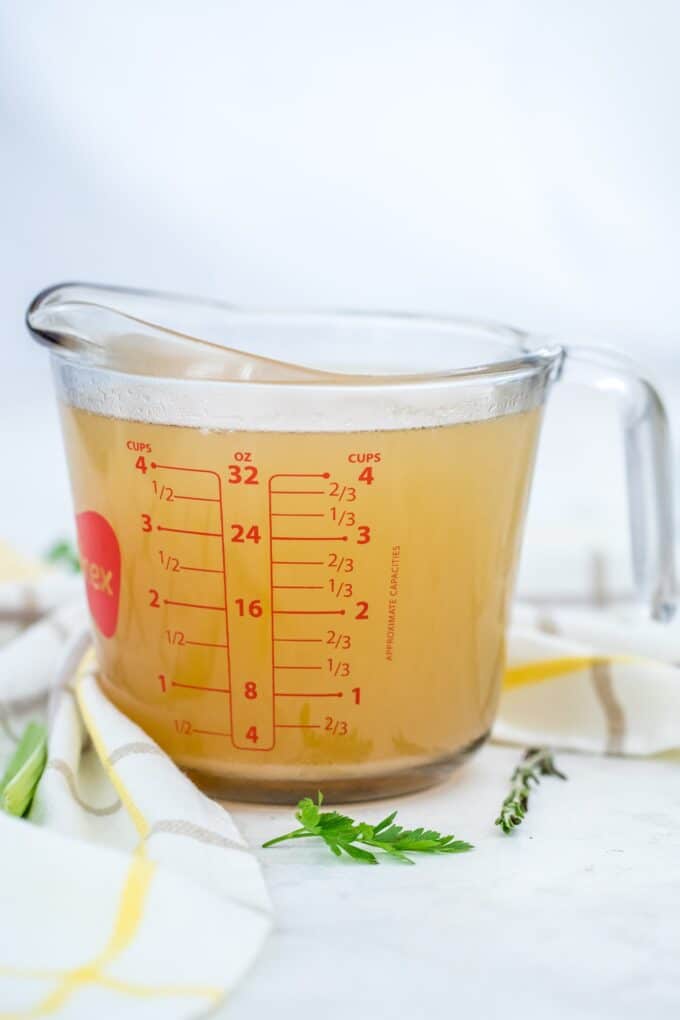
(151, 334)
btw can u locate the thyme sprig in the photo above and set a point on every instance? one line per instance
(536, 762)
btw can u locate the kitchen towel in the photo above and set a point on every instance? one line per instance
(132, 893)
(591, 679)
(589, 670)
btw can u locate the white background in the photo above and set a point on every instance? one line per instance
(517, 161)
(512, 159)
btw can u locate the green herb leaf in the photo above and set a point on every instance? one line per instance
(536, 762)
(308, 813)
(358, 854)
(63, 553)
(385, 822)
(24, 770)
(341, 834)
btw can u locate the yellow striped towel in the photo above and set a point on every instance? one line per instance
(591, 678)
(132, 894)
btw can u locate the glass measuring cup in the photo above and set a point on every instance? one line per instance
(299, 532)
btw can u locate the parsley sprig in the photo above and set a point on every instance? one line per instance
(536, 762)
(342, 834)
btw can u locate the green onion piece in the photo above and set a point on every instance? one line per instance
(24, 771)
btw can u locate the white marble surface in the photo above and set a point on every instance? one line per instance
(573, 916)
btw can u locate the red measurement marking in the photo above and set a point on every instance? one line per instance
(205, 570)
(191, 605)
(297, 667)
(272, 562)
(298, 563)
(184, 531)
(297, 515)
(204, 644)
(198, 687)
(271, 609)
(226, 603)
(177, 467)
(302, 640)
(298, 587)
(292, 726)
(298, 694)
(199, 499)
(308, 538)
(307, 612)
(202, 570)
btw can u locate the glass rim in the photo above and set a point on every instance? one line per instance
(528, 352)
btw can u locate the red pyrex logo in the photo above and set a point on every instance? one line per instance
(100, 561)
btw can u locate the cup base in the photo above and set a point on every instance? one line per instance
(343, 790)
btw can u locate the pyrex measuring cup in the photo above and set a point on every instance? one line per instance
(299, 532)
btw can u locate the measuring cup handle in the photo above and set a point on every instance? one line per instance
(649, 473)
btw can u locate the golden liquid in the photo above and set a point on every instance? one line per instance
(366, 578)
